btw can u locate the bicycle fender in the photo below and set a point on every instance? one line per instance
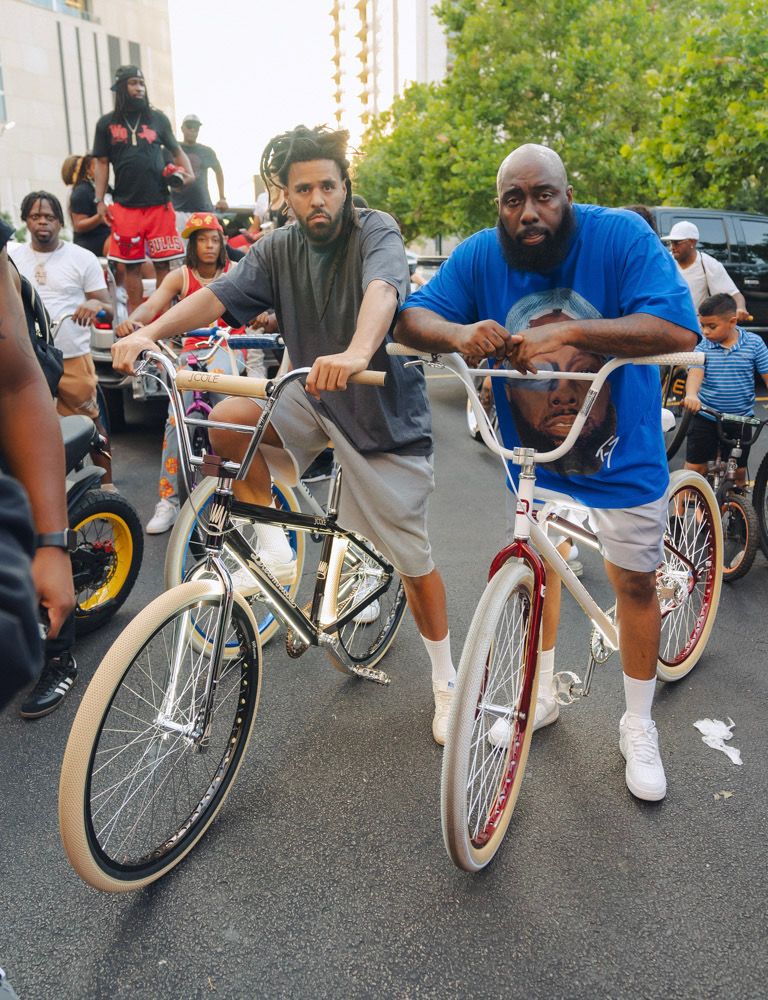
(81, 481)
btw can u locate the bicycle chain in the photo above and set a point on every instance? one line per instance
(295, 646)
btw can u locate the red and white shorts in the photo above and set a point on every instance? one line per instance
(137, 232)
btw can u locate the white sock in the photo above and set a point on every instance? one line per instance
(443, 673)
(639, 696)
(546, 670)
(273, 542)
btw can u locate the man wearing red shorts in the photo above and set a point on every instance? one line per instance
(142, 218)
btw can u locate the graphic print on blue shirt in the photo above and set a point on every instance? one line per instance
(616, 266)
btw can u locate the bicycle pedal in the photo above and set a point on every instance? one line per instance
(567, 687)
(371, 674)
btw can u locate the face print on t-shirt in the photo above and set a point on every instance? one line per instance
(543, 412)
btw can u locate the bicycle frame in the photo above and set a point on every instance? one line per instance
(223, 507)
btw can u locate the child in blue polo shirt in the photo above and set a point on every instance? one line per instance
(726, 382)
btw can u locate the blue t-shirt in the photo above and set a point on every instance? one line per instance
(616, 266)
(729, 374)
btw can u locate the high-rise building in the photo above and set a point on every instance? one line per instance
(57, 60)
(380, 46)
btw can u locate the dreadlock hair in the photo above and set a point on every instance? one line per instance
(299, 146)
(191, 259)
(28, 204)
(121, 92)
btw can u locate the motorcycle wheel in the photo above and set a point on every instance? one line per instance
(110, 546)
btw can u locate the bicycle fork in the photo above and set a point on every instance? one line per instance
(197, 730)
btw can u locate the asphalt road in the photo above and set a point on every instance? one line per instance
(325, 875)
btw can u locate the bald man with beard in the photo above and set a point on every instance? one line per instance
(563, 286)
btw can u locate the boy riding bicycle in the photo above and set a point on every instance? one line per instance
(726, 382)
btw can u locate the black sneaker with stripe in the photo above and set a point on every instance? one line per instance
(53, 686)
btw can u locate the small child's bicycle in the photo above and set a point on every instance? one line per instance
(498, 675)
(741, 527)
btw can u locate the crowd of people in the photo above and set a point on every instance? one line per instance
(554, 284)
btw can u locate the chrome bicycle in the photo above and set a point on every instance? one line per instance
(163, 727)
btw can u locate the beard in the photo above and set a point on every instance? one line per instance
(584, 458)
(543, 257)
(136, 104)
(330, 234)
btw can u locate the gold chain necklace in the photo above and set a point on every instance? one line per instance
(205, 281)
(132, 129)
(39, 272)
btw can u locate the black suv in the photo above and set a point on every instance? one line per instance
(740, 242)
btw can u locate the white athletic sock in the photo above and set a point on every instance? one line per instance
(443, 673)
(639, 696)
(546, 670)
(273, 542)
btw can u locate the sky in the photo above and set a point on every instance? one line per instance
(250, 69)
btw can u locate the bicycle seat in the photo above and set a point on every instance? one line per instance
(78, 433)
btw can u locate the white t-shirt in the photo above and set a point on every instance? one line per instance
(707, 276)
(70, 272)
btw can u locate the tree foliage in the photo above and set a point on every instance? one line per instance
(711, 147)
(610, 84)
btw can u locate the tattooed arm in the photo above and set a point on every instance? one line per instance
(638, 335)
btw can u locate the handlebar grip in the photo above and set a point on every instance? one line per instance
(238, 385)
(227, 385)
(403, 349)
(369, 378)
(681, 358)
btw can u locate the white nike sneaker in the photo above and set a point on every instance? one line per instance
(639, 743)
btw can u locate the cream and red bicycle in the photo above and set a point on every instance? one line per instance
(498, 675)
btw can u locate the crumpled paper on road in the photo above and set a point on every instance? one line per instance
(714, 733)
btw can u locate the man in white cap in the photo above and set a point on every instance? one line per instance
(705, 275)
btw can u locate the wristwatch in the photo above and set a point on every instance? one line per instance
(66, 540)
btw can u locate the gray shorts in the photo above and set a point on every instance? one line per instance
(384, 497)
(632, 537)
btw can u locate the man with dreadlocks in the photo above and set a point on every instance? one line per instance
(132, 138)
(335, 280)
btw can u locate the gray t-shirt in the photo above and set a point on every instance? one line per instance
(285, 272)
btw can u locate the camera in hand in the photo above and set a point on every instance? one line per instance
(174, 176)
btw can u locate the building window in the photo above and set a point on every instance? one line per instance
(134, 54)
(113, 45)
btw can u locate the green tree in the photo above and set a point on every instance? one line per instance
(711, 149)
(567, 73)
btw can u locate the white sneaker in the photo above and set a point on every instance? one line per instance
(639, 743)
(164, 517)
(371, 611)
(443, 701)
(284, 572)
(547, 712)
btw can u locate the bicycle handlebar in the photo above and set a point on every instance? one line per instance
(454, 362)
(239, 385)
(754, 423)
(681, 358)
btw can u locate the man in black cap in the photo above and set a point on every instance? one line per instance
(143, 222)
(195, 197)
